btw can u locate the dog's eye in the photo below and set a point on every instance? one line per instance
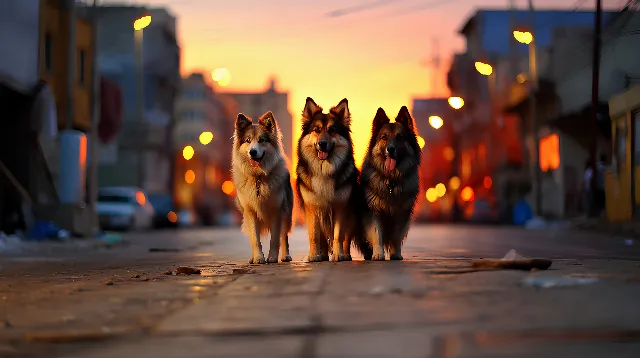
(331, 130)
(264, 139)
(317, 130)
(248, 140)
(384, 137)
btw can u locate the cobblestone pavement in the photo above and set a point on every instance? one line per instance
(121, 302)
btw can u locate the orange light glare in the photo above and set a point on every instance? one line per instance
(190, 176)
(432, 195)
(140, 198)
(456, 102)
(188, 152)
(420, 142)
(436, 122)
(141, 23)
(487, 182)
(228, 187)
(484, 68)
(466, 194)
(441, 189)
(172, 217)
(524, 37)
(454, 183)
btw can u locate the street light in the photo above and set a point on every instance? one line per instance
(139, 26)
(524, 37)
(436, 122)
(420, 142)
(484, 68)
(206, 137)
(188, 152)
(456, 102)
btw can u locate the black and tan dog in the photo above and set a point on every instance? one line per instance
(264, 193)
(390, 177)
(328, 188)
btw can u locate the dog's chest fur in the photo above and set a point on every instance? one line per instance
(323, 193)
(260, 193)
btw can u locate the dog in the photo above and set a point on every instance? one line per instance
(327, 186)
(390, 177)
(263, 186)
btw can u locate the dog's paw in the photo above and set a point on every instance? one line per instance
(378, 257)
(258, 259)
(396, 257)
(286, 258)
(324, 257)
(315, 258)
(334, 258)
(344, 257)
(272, 259)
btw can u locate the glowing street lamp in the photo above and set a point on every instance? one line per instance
(456, 102)
(436, 122)
(420, 142)
(524, 37)
(206, 137)
(484, 68)
(141, 23)
(188, 152)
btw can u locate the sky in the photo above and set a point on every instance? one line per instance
(377, 57)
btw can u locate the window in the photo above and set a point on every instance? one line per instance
(48, 49)
(81, 67)
(549, 153)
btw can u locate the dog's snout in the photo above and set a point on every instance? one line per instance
(253, 153)
(391, 150)
(323, 145)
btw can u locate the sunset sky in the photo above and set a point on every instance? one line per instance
(375, 58)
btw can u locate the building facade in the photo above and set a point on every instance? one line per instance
(140, 154)
(256, 104)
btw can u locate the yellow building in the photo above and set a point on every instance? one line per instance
(622, 180)
(54, 60)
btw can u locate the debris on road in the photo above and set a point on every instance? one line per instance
(108, 282)
(163, 249)
(183, 270)
(167, 273)
(513, 261)
(555, 281)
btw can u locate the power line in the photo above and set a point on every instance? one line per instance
(359, 8)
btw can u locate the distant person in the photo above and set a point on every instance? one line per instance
(587, 189)
(600, 199)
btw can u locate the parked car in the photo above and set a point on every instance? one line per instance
(124, 208)
(166, 214)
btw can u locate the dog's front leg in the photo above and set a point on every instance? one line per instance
(346, 247)
(253, 227)
(337, 248)
(375, 235)
(274, 245)
(395, 247)
(284, 246)
(315, 235)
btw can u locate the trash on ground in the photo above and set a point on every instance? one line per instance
(555, 281)
(108, 282)
(512, 261)
(182, 270)
(163, 249)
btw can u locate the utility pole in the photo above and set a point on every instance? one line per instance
(95, 115)
(595, 83)
(434, 63)
(535, 128)
(71, 62)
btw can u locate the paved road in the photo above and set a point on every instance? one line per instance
(118, 302)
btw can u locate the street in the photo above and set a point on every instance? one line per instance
(127, 301)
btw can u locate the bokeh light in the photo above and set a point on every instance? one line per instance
(190, 176)
(188, 152)
(441, 189)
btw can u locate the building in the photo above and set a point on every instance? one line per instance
(256, 104)
(199, 110)
(44, 89)
(140, 154)
(493, 142)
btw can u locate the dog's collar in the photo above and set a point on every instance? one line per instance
(391, 185)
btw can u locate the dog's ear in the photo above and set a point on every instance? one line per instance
(341, 111)
(242, 122)
(310, 109)
(379, 120)
(268, 122)
(404, 118)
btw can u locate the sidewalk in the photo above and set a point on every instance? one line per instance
(602, 225)
(425, 308)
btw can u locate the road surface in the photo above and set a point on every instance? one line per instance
(65, 301)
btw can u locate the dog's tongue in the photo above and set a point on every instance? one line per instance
(389, 164)
(322, 155)
(254, 163)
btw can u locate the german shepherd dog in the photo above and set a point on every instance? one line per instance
(263, 185)
(390, 177)
(327, 186)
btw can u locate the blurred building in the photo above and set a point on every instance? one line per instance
(199, 110)
(256, 104)
(493, 141)
(43, 90)
(140, 155)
